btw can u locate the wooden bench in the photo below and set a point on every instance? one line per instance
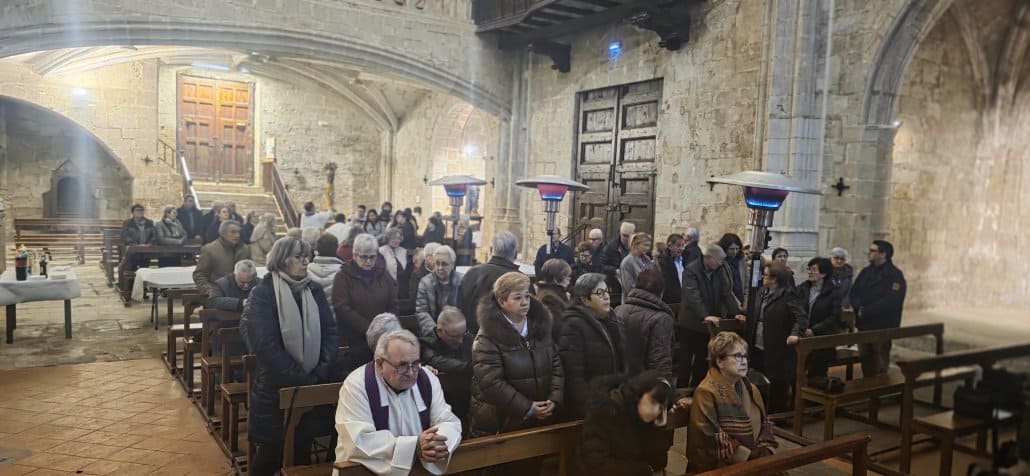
(191, 299)
(856, 445)
(946, 426)
(111, 254)
(233, 394)
(472, 454)
(75, 234)
(210, 362)
(866, 388)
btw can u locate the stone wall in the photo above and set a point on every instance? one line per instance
(706, 119)
(311, 127)
(933, 175)
(36, 143)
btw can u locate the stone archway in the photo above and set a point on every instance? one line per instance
(469, 77)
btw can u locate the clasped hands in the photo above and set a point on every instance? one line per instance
(432, 446)
(542, 410)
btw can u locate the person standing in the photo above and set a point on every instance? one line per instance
(190, 217)
(649, 325)
(362, 289)
(559, 250)
(878, 297)
(707, 298)
(611, 259)
(170, 232)
(313, 219)
(824, 312)
(219, 257)
(638, 259)
(843, 275)
(780, 323)
(479, 281)
(671, 264)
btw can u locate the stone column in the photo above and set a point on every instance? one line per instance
(3, 189)
(512, 164)
(798, 42)
(387, 157)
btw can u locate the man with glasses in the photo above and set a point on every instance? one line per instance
(878, 296)
(611, 259)
(229, 293)
(449, 351)
(392, 413)
(437, 289)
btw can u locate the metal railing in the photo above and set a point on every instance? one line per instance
(187, 181)
(274, 184)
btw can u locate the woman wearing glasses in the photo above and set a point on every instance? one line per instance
(362, 290)
(516, 372)
(289, 326)
(728, 422)
(592, 342)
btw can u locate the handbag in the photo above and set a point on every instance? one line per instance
(974, 402)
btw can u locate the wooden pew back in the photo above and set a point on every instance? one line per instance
(855, 444)
(912, 369)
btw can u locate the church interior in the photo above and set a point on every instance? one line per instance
(896, 122)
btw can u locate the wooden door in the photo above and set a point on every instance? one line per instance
(216, 129)
(616, 156)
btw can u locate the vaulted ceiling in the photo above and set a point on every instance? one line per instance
(385, 99)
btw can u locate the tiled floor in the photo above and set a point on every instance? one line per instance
(125, 418)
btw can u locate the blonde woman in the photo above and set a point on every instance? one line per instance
(262, 238)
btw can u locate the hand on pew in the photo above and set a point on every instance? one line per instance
(542, 410)
(433, 446)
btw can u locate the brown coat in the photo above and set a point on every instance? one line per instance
(510, 372)
(356, 301)
(217, 259)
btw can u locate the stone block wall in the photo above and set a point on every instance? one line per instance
(706, 119)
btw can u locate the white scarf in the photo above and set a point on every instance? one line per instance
(301, 328)
(392, 256)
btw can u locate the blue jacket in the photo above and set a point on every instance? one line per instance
(878, 296)
(276, 369)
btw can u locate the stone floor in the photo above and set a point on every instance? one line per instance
(117, 418)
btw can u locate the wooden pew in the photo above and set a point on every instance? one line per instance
(232, 394)
(191, 299)
(945, 425)
(866, 388)
(856, 445)
(210, 363)
(111, 254)
(475, 453)
(75, 234)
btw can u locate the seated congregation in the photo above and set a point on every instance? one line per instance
(365, 347)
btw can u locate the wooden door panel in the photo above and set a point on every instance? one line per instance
(216, 128)
(617, 155)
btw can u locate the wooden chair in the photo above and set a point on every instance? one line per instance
(210, 363)
(233, 394)
(177, 331)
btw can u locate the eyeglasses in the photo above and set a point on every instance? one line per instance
(740, 356)
(366, 257)
(456, 336)
(405, 368)
(601, 293)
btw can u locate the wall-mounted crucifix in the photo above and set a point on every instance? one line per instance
(840, 187)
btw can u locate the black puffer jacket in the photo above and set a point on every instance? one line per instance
(650, 330)
(276, 369)
(555, 298)
(615, 440)
(823, 314)
(510, 372)
(590, 348)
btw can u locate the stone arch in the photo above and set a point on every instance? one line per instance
(71, 122)
(267, 40)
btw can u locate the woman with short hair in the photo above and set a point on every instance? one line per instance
(552, 289)
(636, 261)
(843, 275)
(728, 421)
(780, 322)
(170, 233)
(824, 312)
(396, 259)
(262, 238)
(592, 342)
(324, 267)
(734, 265)
(517, 373)
(362, 290)
(289, 326)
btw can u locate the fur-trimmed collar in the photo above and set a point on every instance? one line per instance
(496, 326)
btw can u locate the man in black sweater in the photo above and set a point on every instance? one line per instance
(878, 296)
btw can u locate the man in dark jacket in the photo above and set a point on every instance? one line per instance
(558, 250)
(230, 292)
(190, 217)
(611, 260)
(449, 350)
(479, 281)
(138, 230)
(671, 263)
(878, 296)
(691, 250)
(707, 298)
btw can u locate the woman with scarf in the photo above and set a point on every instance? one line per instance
(734, 265)
(170, 233)
(288, 324)
(262, 238)
(728, 421)
(780, 322)
(362, 290)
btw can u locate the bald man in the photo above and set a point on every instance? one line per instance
(611, 259)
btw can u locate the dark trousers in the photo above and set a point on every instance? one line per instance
(693, 357)
(780, 373)
(268, 456)
(876, 358)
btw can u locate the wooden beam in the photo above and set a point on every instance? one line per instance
(510, 42)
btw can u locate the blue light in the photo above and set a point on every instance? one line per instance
(614, 49)
(753, 202)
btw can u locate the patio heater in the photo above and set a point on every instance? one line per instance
(456, 187)
(764, 193)
(552, 190)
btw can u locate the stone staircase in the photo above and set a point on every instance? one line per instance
(247, 197)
